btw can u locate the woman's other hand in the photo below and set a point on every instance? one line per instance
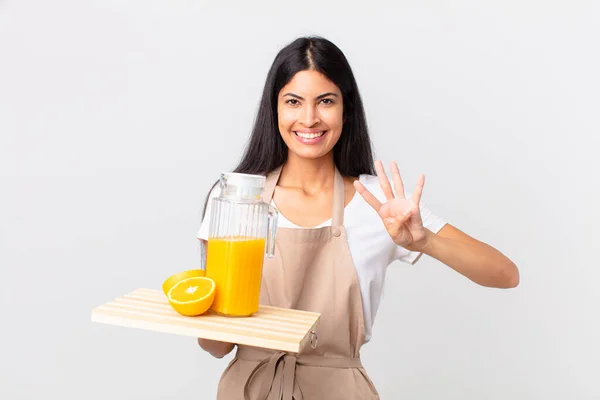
(401, 216)
(215, 348)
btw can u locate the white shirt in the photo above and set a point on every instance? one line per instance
(371, 247)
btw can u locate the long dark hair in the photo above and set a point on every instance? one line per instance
(266, 150)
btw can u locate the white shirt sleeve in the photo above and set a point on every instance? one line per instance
(431, 222)
(203, 232)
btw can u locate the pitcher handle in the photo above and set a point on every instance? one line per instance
(271, 231)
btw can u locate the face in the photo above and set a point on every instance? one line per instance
(310, 110)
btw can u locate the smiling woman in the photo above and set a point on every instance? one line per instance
(340, 225)
(309, 116)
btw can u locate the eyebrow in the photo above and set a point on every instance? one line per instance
(317, 98)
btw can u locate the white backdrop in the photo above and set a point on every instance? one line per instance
(116, 116)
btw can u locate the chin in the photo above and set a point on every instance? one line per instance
(309, 155)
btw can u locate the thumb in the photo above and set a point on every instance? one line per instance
(415, 217)
(394, 224)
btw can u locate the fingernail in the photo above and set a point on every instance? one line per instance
(389, 220)
(406, 213)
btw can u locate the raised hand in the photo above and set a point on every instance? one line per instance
(401, 216)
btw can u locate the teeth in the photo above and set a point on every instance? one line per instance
(309, 135)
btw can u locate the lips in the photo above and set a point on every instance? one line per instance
(309, 135)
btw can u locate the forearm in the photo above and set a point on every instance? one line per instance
(215, 348)
(475, 260)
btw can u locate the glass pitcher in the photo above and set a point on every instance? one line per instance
(242, 229)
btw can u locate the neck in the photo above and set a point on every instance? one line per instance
(309, 175)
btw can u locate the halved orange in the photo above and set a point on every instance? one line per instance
(173, 279)
(192, 296)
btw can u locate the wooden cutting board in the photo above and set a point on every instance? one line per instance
(271, 327)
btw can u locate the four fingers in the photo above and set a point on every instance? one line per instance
(393, 224)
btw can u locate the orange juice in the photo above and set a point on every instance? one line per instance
(235, 265)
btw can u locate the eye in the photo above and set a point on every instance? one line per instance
(327, 101)
(292, 102)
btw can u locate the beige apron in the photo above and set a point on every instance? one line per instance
(312, 270)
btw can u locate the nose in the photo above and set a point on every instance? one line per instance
(310, 116)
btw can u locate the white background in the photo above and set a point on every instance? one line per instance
(117, 116)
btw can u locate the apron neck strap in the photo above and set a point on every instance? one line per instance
(339, 192)
(270, 184)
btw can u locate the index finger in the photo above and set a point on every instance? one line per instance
(368, 196)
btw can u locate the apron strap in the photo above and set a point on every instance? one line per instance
(270, 184)
(339, 192)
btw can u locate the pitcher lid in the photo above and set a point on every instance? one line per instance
(244, 180)
(242, 185)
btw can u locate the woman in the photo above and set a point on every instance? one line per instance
(310, 139)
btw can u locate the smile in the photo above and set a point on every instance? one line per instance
(309, 135)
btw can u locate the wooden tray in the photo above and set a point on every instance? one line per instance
(271, 327)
